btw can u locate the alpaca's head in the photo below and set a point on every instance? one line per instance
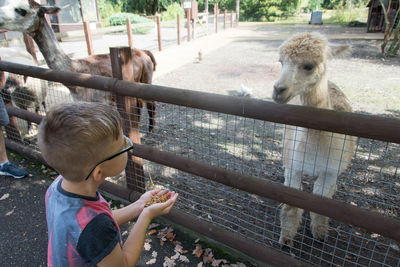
(23, 15)
(303, 58)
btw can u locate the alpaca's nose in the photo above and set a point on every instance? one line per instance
(279, 89)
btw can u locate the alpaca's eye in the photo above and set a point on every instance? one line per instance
(308, 67)
(20, 11)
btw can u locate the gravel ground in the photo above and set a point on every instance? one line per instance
(371, 83)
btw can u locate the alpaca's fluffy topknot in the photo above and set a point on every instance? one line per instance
(305, 47)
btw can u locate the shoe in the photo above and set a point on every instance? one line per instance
(12, 170)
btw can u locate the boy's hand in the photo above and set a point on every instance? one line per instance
(146, 197)
(159, 209)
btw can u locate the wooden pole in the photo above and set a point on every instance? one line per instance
(159, 33)
(216, 16)
(224, 19)
(88, 38)
(178, 27)
(188, 14)
(129, 31)
(130, 109)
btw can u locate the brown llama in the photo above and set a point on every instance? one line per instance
(28, 16)
(316, 153)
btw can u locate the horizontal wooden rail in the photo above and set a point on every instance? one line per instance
(371, 221)
(234, 240)
(368, 126)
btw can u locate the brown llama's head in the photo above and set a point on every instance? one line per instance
(23, 15)
(303, 58)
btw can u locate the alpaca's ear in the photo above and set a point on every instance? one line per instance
(339, 50)
(51, 10)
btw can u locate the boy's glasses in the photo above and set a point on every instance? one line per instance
(128, 144)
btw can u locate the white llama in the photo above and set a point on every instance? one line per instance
(305, 151)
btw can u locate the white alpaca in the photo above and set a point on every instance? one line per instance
(25, 92)
(305, 151)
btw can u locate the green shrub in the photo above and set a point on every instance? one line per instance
(120, 19)
(172, 12)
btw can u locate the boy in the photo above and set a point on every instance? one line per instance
(84, 143)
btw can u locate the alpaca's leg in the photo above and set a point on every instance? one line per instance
(290, 216)
(325, 185)
(151, 110)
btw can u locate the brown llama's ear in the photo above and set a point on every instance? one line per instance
(339, 50)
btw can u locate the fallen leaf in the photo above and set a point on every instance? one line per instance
(176, 256)
(198, 251)
(168, 262)
(124, 233)
(216, 263)
(147, 246)
(183, 258)
(239, 264)
(152, 261)
(179, 248)
(153, 225)
(154, 254)
(208, 255)
(197, 240)
(10, 212)
(152, 232)
(5, 196)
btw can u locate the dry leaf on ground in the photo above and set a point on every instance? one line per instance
(152, 261)
(152, 232)
(208, 255)
(168, 262)
(5, 196)
(10, 212)
(179, 248)
(153, 225)
(198, 251)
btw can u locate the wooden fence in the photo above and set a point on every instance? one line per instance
(368, 126)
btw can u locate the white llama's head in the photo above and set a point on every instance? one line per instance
(303, 58)
(23, 15)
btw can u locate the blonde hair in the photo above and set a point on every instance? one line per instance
(73, 137)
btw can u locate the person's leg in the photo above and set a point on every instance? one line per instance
(6, 167)
(3, 154)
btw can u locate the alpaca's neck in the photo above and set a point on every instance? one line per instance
(318, 96)
(50, 48)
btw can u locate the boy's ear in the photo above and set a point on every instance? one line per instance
(97, 174)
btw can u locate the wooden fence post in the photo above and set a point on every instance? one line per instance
(224, 19)
(216, 16)
(178, 26)
(88, 37)
(188, 14)
(130, 109)
(129, 31)
(159, 33)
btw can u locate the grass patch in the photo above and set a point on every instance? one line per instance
(343, 16)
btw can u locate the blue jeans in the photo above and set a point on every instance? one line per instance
(4, 119)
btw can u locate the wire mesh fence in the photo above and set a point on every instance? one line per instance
(255, 148)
